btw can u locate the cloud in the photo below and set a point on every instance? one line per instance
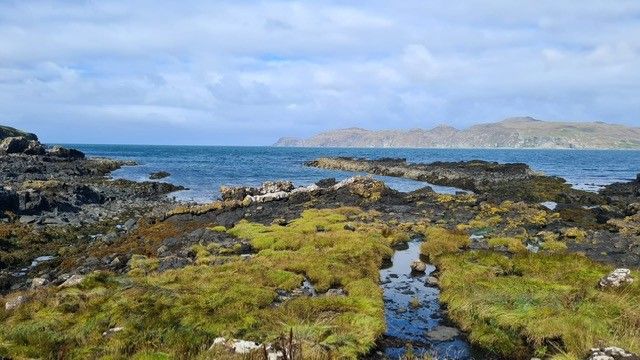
(248, 72)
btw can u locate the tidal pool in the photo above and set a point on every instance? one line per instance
(413, 312)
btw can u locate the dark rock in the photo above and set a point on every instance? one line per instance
(13, 145)
(172, 262)
(159, 175)
(9, 201)
(328, 182)
(61, 152)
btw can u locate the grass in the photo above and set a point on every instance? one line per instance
(514, 245)
(440, 241)
(177, 314)
(548, 304)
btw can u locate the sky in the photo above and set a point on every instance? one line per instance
(248, 72)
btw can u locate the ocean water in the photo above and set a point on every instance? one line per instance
(203, 169)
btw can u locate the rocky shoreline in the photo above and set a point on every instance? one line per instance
(295, 270)
(52, 191)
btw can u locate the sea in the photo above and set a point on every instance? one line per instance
(203, 169)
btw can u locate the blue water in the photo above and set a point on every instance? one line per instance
(204, 168)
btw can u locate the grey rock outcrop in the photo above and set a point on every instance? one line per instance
(616, 278)
(611, 353)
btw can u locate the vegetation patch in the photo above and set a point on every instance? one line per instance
(178, 313)
(548, 304)
(440, 241)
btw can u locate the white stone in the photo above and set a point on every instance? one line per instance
(15, 302)
(244, 346)
(418, 266)
(72, 281)
(113, 330)
(617, 278)
(38, 282)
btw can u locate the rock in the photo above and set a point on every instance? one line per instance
(159, 175)
(247, 347)
(244, 346)
(129, 224)
(38, 282)
(61, 152)
(276, 186)
(32, 202)
(74, 280)
(279, 221)
(115, 263)
(325, 183)
(13, 145)
(432, 281)
(9, 201)
(612, 353)
(219, 341)
(336, 292)
(350, 227)
(113, 330)
(163, 249)
(616, 278)
(21, 145)
(443, 333)
(172, 262)
(28, 219)
(15, 302)
(418, 266)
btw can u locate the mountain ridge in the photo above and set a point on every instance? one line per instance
(515, 132)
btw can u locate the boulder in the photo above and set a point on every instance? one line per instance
(32, 202)
(418, 266)
(9, 201)
(38, 282)
(616, 278)
(15, 302)
(159, 175)
(442, 333)
(276, 186)
(21, 145)
(61, 152)
(74, 280)
(611, 353)
(269, 190)
(13, 145)
(336, 292)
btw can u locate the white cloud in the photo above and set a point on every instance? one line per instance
(248, 72)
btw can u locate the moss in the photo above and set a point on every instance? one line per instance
(574, 233)
(218, 228)
(554, 246)
(440, 241)
(509, 216)
(537, 301)
(178, 313)
(514, 245)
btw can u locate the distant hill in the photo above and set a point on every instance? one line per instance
(520, 132)
(6, 131)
